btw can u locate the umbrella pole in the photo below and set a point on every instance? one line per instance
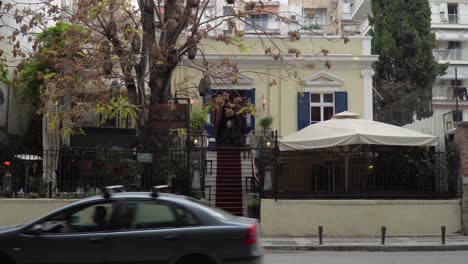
(346, 151)
(346, 173)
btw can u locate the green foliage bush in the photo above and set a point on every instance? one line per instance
(198, 119)
(266, 122)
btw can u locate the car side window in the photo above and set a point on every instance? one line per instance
(154, 215)
(186, 218)
(92, 218)
(147, 214)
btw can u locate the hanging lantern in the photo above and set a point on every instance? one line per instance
(192, 51)
(205, 85)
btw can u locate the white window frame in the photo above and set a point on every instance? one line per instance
(321, 104)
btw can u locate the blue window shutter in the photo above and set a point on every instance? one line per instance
(303, 110)
(341, 102)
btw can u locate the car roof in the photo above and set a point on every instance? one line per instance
(137, 195)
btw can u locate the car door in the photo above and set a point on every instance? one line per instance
(148, 233)
(73, 236)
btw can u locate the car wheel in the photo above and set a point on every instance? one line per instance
(196, 259)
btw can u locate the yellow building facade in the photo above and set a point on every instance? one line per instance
(300, 95)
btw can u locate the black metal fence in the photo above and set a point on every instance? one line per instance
(399, 173)
(356, 173)
(83, 171)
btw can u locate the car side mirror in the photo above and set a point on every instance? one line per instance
(36, 230)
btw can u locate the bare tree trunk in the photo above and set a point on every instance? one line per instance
(51, 148)
(156, 140)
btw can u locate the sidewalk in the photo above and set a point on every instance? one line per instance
(452, 243)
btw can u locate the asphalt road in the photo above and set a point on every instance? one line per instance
(322, 257)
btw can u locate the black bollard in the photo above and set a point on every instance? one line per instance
(384, 230)
(320, 231)
(442, 228)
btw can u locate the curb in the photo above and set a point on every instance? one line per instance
(370, 248)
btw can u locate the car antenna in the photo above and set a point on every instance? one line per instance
(109, 190)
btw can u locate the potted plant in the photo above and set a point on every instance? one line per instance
(198, 119)
(266, 122)
(253, 208)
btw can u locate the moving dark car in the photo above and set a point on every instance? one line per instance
(138, 227)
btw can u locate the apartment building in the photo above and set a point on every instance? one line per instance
(450, 24)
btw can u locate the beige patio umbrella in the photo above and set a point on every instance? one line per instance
(346, 128)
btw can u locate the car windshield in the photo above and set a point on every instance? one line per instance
(218, 213)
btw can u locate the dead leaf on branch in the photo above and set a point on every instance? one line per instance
(273, 83)
(293, 51)
(346, 39)
(250, 6)
(294, 35)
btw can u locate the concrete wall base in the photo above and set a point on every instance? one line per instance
(18, 211)
(359, 217)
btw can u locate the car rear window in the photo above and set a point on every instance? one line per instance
(217, 212)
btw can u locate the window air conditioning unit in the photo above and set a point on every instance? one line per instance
(293, 18)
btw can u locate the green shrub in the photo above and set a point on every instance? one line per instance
(198, 119)
(266, 122)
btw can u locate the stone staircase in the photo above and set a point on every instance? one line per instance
(225, 180)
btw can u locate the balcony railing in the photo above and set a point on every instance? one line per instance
(452, 19)
(445, 92)
(450, 54)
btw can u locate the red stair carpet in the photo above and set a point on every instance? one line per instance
(229, 182)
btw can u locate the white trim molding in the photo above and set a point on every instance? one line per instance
(322, 79)
(337, 61)
(242, 80)
(322, 89)
(368, 96)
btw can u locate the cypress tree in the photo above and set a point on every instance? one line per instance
(406, 69)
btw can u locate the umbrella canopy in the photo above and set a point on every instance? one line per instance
(347, 128)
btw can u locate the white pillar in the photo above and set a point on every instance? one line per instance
(368, 98)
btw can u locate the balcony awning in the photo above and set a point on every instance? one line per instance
(452, 35)
(316, 4)
(462, 73)
(264, 10)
